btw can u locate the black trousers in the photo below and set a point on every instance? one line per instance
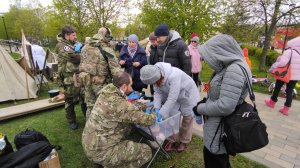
(215, 161)
(289, 91)
(196, 79)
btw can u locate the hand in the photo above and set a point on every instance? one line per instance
(136, 64)
(122, 62)
(77, 47)
(195, 108)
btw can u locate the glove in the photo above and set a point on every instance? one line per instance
(77, 47)
(133, 96)
(147, 111)
(195, 108)
(158, 116)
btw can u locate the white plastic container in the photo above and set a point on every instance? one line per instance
(164, 129)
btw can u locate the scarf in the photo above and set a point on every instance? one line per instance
(132, 51)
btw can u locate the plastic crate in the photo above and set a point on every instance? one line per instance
(164, 129)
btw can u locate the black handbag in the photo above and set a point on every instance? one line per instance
(243, 130)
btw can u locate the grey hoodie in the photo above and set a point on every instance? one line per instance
(228, 85)
(178, 91)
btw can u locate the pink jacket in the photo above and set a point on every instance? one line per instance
(195, 58)
(295, 62)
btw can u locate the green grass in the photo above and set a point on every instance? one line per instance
(15, 55)
(43, 95)
(53, 124)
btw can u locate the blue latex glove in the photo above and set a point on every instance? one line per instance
(158, 116)
(133, 95)
(77, 47)
(147, 111)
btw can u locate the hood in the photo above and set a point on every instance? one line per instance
(59, 38)
(96, 40)
(165, 69)
(220, 51)
(174, 35)
(294, 43)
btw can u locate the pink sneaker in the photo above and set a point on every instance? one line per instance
(270, 103)
(284, 110)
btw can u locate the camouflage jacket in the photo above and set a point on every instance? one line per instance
(94, 63)
(68, 60)
(110, 120)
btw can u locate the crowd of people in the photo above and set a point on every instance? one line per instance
(103, 83)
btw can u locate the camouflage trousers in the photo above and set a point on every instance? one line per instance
(127, 154)
(72, 96)
(91, 89)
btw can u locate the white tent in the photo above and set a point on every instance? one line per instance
(14, 82)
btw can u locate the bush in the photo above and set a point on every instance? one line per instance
(257, 52)
(251, 49)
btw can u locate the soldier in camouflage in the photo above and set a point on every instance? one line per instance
(68, 63)
(98, 64)
(104, 136)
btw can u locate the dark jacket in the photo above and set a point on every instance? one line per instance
(153, 55)
(139, 56)
(175, 52)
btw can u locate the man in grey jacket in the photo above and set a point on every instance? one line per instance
(227, 89)
(173, 90)
(172, 49)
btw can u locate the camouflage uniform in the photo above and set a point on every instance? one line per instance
(103, 137)
(68, 62)
(95, 68)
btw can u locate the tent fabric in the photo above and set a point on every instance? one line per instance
(13, 80)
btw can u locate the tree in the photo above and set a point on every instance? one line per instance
(268, 13)
(24, 18)
(184, 16)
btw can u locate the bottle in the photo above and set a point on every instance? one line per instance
(198, 119)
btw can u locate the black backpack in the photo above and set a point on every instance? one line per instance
(28, 136)
(243, 130)
(28, 156)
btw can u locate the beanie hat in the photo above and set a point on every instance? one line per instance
(152, 37)
(161, 30)
(150, 74)
(134, 38)
(196, 38)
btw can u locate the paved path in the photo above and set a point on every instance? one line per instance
(283, 149)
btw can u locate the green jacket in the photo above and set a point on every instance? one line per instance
(68, 60)
(110, 121)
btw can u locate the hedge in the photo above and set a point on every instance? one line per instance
(257, 52)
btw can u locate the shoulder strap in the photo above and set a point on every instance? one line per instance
(250, 89)
(103, 53)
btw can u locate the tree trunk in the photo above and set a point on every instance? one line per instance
(268, 35)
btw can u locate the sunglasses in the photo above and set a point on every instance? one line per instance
(194, 41)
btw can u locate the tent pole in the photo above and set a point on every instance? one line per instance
(27, 88)
(41, 82)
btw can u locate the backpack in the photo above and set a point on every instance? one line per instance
(27, 137)
(28, 156)
(243, 130)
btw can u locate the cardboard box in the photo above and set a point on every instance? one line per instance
(53, 162)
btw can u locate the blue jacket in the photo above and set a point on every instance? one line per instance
(139, 56)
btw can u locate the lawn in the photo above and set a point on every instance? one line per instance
(54, 125)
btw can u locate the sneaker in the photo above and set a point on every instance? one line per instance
(181, 147)
(73, 126)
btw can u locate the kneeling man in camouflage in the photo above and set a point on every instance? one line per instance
(104, 136)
